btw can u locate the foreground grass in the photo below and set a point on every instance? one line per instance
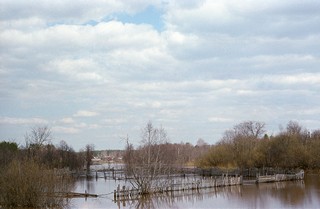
(28, 184)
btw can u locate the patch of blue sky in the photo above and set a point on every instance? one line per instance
(92, 22)
(150, 15)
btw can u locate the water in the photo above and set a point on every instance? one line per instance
(290, 194)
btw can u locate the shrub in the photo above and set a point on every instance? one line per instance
(27, 184)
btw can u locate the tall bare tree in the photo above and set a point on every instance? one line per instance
(250, 128)
(36, 139)
(89, 155)
(146, 163)
(38, 136)
(294, 128)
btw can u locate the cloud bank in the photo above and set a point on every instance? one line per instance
(97, 71)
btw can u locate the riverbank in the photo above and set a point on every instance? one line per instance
(313, 171)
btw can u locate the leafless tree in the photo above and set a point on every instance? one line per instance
(201, 142)
(294, 128)
(250, 128)
(38, 136)
(316, 134)
(36, 139)
(147, 162)
(89, 155)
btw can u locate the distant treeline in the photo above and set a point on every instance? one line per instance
(247, 146)
(33, 176)
(52, 156)
(39, 148)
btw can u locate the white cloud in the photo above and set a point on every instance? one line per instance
(22, 121)
(78, 69)
(220, 119)
(68, 10)
(214, 63)
(82, 124)
(304, 78)
(28, 24)
(315, 111)
(241, 18)
(115, 121)
(66, 130)
(67, 120)
(85, 113)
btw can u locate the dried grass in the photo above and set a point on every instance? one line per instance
(26, 184)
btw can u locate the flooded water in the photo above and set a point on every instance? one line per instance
(290, 194)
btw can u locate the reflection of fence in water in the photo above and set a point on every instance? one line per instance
(167, 199)
(176, 185)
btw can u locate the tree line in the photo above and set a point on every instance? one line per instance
(38, 147)
(33, 176)
(247, 145)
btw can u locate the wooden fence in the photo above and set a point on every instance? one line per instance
(114, 174)
(178, 184)
(280, 177)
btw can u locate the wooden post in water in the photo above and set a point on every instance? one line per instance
(118, 191)
(124, 192)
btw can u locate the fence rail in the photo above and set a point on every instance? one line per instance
(179, 184)
(280, 177)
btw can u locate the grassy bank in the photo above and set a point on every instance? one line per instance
(28, 184)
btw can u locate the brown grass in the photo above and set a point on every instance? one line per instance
(26, 184)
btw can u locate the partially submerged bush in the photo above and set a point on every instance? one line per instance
(28, 184)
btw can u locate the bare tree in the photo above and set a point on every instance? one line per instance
(147, 163)
(294, 128)
(250, 128)
(36, 140)
(89, 155)
(201, 142)
(38, 136)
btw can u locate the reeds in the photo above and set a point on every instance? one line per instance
(28, 184)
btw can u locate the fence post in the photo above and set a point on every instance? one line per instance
(118, 190)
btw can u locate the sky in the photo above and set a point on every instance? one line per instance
(97, 71)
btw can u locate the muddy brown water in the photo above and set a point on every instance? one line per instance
(289, 194)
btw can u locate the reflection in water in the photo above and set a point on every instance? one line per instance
(263, 195)
(174, 199)
(290, 194)
(146, 202)
(256, 195)
(85, 185)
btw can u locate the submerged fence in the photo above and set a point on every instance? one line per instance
(280, 177)
(114, 174)
(178, 184)
(188, 180)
